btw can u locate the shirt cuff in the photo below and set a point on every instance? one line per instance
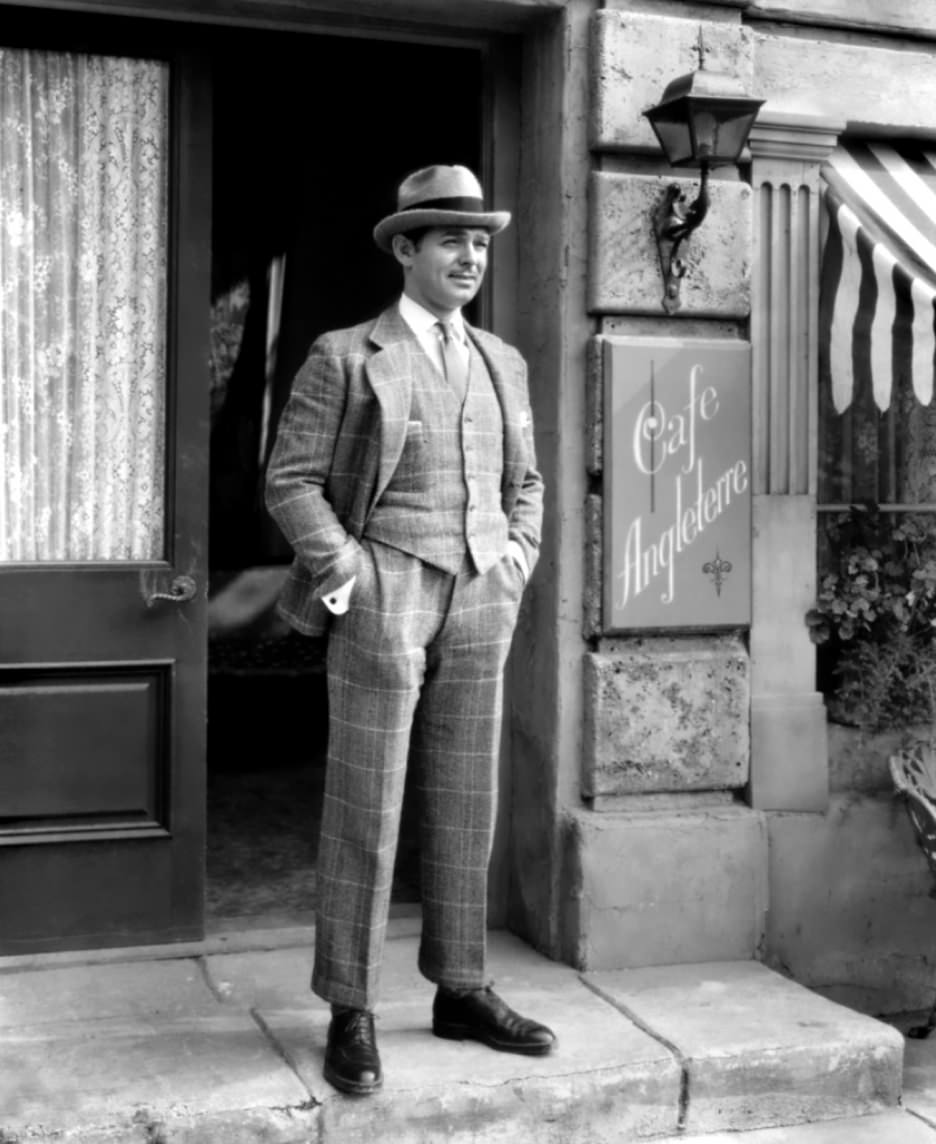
(338, 601)
(516, 553)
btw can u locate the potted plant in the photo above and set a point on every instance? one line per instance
(875, 621)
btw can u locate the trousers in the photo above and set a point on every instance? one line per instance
(415, 679)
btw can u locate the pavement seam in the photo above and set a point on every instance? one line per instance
(670, 1046)
(224, 998)
(930, 1123)
(213, 989)
(265, 1029)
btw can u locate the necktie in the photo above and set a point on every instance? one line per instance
(456, 368)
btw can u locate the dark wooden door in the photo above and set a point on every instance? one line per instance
(102, 660)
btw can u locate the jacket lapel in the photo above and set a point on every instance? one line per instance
(515, 461)
(389, 372)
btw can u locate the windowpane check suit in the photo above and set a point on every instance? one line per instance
(415, 666)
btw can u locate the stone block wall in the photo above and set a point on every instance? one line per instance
(662, 712)
(664, 887)
(664, 862)
(635, 54)
(649, 709)
(624, 266)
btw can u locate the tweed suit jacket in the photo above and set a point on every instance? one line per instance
(340, 439)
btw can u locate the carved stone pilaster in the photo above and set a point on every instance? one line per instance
(787, 151)
(789, 751)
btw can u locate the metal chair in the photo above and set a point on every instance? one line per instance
(914, 775)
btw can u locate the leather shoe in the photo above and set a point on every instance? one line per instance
(480, 1015)
(352, 1063)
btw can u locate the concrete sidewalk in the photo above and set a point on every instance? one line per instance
(226, 1047)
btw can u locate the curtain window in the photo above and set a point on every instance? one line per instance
(83, 273)
(877, 417)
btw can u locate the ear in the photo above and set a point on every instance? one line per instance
(403, 249)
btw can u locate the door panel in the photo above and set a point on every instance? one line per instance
(83, 747)
(102, 664)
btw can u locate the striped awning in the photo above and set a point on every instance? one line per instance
(877, 321)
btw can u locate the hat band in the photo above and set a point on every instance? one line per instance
(474, 206)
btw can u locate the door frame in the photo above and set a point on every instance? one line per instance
(512, 34)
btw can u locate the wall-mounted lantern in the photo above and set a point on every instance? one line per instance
(703, 120)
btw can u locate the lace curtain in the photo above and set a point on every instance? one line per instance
(867, 455)
(83, 242)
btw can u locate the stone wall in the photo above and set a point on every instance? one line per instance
(851, 910)
(851, 913)
(899, 17)
(665, 862)
(688, 737)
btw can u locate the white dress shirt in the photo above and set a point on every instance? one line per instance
(424, 325)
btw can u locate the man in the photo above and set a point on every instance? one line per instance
(404, 477)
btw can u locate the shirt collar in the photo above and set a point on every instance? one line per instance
(421, 321)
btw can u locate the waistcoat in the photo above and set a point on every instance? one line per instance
(444, 498)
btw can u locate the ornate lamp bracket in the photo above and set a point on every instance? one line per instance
(673, 222)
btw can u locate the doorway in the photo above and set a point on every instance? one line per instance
(311, 136)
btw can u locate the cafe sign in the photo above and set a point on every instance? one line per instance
(677, 489)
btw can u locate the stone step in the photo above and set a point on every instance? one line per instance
(755, 1049)
(228, 1048)
(896, 1127)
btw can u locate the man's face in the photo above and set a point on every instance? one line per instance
(446, 270)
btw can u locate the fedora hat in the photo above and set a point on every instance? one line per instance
(438, 196)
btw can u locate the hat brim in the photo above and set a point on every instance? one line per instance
(403, 221)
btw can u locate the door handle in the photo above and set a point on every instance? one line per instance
(182, 589)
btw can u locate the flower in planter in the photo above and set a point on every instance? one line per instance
(875, 619)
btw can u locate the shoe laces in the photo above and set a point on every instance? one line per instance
(359, 1027)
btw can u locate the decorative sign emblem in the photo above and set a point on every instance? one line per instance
(677, 496)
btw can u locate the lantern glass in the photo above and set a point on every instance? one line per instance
(719, 134)
(675, 138)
